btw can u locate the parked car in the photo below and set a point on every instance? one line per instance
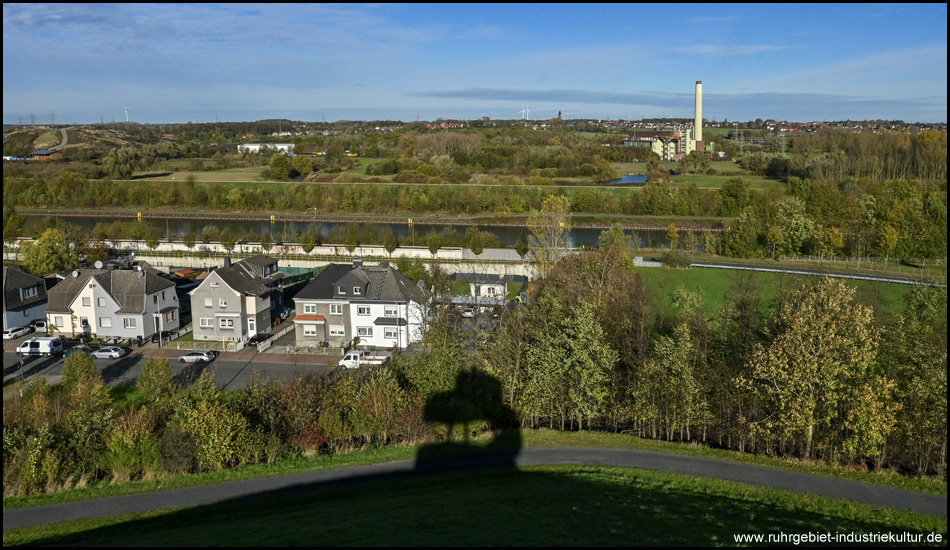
(197, 356)
(16, 332)
(468, 311)
(111, 352)
(39, 325)
(166, 335)
(258, 338)
(78, 349)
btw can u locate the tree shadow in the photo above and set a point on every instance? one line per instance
(475, 403)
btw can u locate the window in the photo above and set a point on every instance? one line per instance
(356, 290)
(391, 332)
(336, 309)
(362, 310)
(128, 322)
(391, 311)
(364, 331)
(170, 316)
(226, 323)
(155, 299)
(310, 330)
(206, 322)
(86, 301)
(105, 322)
(310, 308)
(28, 292)
(223, 302)
(340, 290)
(337, 330)
(208, 302)
(58, 320)
(101, 302)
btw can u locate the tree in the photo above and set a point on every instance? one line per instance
(189, 239)
(673, 234)
(434, 242)
(228, 240)
(50, 253)
(521, 246)
(280, 166)
(475, 241)
(390, 243)
(267, 242)
(550, 231)
(819, 381)
(888, 242)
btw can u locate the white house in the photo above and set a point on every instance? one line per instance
(376, 304)
(113, 303)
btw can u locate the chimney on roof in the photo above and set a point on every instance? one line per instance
(358, 262)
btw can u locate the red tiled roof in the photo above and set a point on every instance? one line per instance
(317, 318)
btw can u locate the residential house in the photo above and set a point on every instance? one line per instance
(238, 301)
(24, 298)
(113, 302)
(377, 304)
(485, 289)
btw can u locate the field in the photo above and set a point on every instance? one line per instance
(716, 284)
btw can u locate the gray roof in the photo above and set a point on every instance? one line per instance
(321, 287)
(502, 254)
(13, 281)
(128, 288)
(246, 276)
(382, 283)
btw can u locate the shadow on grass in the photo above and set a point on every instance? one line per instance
(473, 404)
(459, 493)
(562, 506)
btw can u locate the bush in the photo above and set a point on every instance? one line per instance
(677, 259)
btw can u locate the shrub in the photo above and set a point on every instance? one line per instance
(677, 259)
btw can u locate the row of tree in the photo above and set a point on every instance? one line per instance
(814, 375)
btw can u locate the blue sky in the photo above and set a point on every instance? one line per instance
(241, 62)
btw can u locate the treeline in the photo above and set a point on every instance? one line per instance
(813, 375)
(838, 155)
(817, 378)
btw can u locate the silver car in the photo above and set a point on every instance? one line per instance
(197, 357)
(16, 332)
(111, 352)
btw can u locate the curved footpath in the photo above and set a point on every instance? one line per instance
(651, 460)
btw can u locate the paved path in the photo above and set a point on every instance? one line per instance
(702, 467)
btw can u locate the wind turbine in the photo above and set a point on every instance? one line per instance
(126, 114)
(525, 113)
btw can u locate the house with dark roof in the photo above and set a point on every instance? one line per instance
(24, 298)
(238, 301)
(46, 155)
(377, 304)
(113, 303)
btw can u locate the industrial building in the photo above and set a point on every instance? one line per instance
(673, 144)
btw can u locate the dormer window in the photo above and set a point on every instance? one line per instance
(341, 290)
(356, 290)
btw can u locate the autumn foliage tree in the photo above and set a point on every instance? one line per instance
(822, 390)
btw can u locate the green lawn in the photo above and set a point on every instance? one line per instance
(560, 505)
(715, 285)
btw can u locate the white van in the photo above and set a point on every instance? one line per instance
(44, 346)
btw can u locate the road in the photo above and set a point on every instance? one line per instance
(315, 480)
(233, 369)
